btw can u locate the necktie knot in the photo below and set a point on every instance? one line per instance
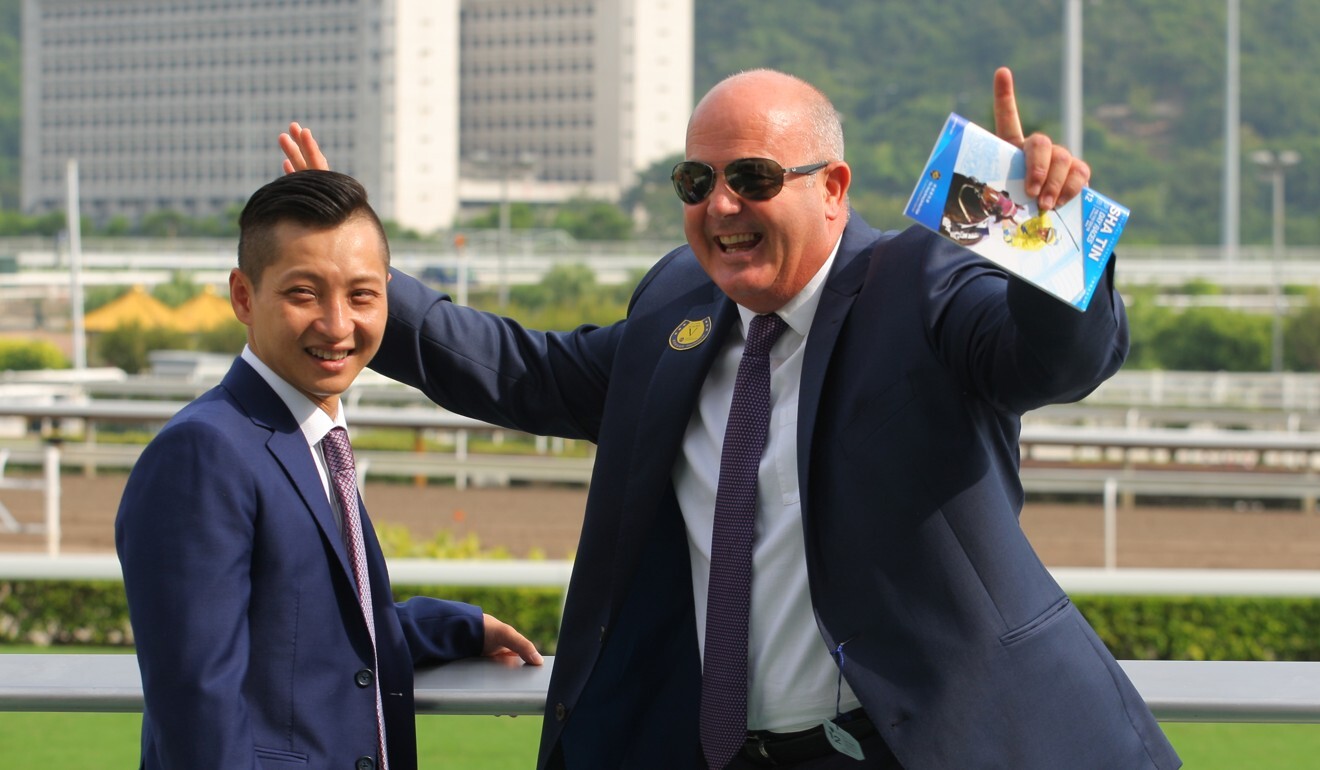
(338, 452)
(762, 333)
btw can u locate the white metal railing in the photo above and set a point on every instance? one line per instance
(1243, 390)
(556, 572)
(1176, 691)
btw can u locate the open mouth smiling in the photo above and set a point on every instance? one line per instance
(737, 242)
(329, 355)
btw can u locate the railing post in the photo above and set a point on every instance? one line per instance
(52, 468)
(1111, 523)
(89, 440)
(461, 455)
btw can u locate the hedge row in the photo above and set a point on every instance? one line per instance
(96, 612)
(1205, 628)
(1135, 628)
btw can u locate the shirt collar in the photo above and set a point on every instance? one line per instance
(312, 420)
(799, 310)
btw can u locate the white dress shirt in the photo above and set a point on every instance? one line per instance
(792, 678)
(313, 421)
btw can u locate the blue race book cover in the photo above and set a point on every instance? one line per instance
(972, 193)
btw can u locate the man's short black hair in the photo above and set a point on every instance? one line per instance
(311, 198)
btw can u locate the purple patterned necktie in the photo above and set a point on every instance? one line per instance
(724, 668)
(343, 478)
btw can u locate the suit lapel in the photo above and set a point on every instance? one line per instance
(288, 446)
(675, 384)
(839, 293)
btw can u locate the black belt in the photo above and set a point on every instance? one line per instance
(770, 749)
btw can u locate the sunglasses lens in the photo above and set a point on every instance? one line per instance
(693, 181)
(757, 179)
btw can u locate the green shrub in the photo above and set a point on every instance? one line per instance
(128, 346)
(1205, 627)
(26, 355)
(1133, 627)
(50, 612)
(61, 612)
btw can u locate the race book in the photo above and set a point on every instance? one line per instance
(972, 193)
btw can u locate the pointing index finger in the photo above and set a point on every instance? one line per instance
(1007, 123)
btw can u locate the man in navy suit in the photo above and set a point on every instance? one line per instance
(251, 624)
(897, 612)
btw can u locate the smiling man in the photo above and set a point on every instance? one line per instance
(801, 545)
(266, 633)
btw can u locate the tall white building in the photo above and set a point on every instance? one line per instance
(175, 104)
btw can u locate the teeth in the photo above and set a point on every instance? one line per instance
(329, 355)
(734, 240)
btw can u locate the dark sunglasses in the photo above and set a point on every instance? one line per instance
(756, 179)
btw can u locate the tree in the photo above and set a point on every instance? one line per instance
(163, 224)
(521, 217)
(1147, 320)
(177, 291)
(653, 203)
(127, 347)
(1301, 337)
(593, 220)
(1213, 339)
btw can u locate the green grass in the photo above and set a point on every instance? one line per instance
(1241, 746)
(93, 741)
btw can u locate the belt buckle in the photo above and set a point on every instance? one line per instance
(758, 745)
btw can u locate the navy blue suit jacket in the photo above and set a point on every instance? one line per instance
(920, 361)
(253, 650)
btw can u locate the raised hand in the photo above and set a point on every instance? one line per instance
(301, 151)
(1054, 176)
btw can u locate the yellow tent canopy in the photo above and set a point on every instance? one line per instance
(135, 306)
(204, 311)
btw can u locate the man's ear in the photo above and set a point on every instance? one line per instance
(837, 180)
(241, 293)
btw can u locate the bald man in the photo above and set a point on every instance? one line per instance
(801, 545)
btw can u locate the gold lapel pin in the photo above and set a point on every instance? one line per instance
(690, 334)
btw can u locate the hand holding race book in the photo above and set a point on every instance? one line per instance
(972, 192)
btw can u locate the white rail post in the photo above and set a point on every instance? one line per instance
(52, 467)
(461, 454)
(1111, 523)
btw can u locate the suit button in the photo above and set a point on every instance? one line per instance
(364, 678)
(561, 711)
(365, 763)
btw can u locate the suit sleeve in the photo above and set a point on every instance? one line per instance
(440, 631)
(1012, 343)
(184, 534)
(490, 368)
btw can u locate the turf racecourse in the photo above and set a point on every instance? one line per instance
(94, 741)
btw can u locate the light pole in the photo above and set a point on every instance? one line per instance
(504, 168)
(1274, 165)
